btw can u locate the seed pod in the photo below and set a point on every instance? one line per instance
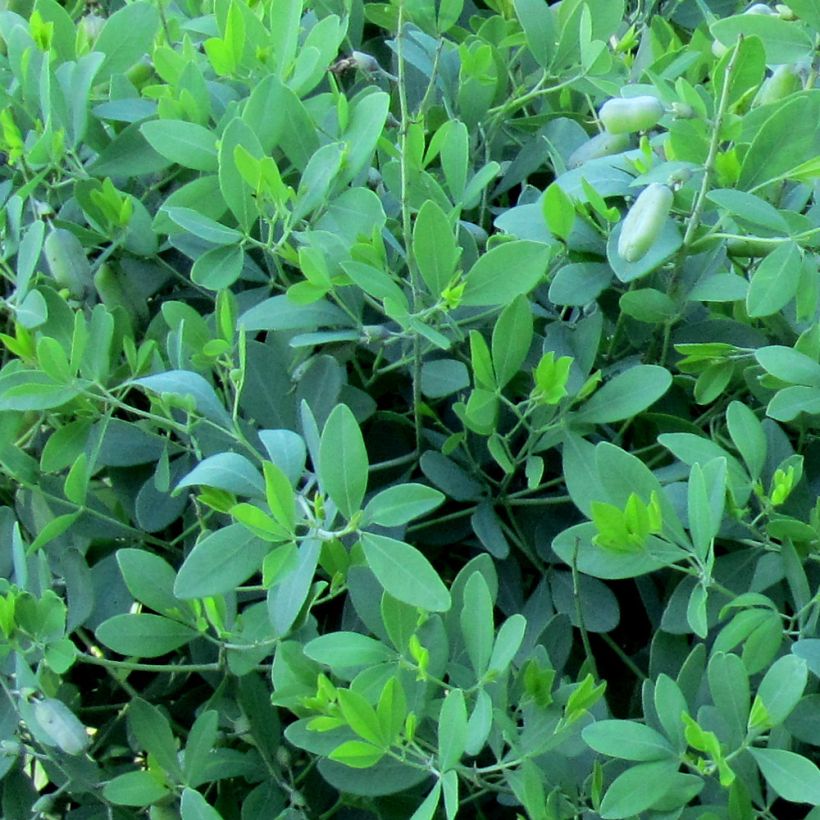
(760, 8)
(68, 263)
(601, 145)
(623, 115)
(644, 221)
(783, 82)
(61, 725)
(749, 247)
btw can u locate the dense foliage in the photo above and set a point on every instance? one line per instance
(410, 409)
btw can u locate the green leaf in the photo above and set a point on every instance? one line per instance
(218, 268)
(670, 704)
(790, 402)
(783, 142)
(791, 776)
(579, 283)
(361, 717)
(512, 336)
(226, 471)
(434, 246)
(626, 394)
(506, 271)
(452, 729)
(203, 226)
(627, 740)
(342, 650)
(392, 710)
(775, 281)
(508, 642)
(706, 493)
(201, 740)
(782, 687)
(809, 650)
(785, 41)
(142, 635)
(280, 496)
(648, 305)
(638, 789)
(749, 209)
(559, 210)
(398, 505)
(789, 365)
(428, 806)
(748, 436)
(153, 732)
(193, 806)
(185, 143)
(539, 29)
(343, 461)
(367, 119)
(749, 69)
(477, 623)
(134, 789)
(729, 687)
(318, 176)
(185, 383)
(357, 754)
(696, 614)
(219, 562)
(443, 377)
(125, 37)
(405, 573)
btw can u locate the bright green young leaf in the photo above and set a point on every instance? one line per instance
(357, 754)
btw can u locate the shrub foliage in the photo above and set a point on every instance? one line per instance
(409, 409)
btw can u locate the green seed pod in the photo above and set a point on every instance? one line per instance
(644, 221)
(141, 72)
(61, 725)
(783, 82)
(749, 247)
(623, 115)
(601, 145)
(68, 263)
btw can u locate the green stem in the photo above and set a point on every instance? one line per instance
(133, 666)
